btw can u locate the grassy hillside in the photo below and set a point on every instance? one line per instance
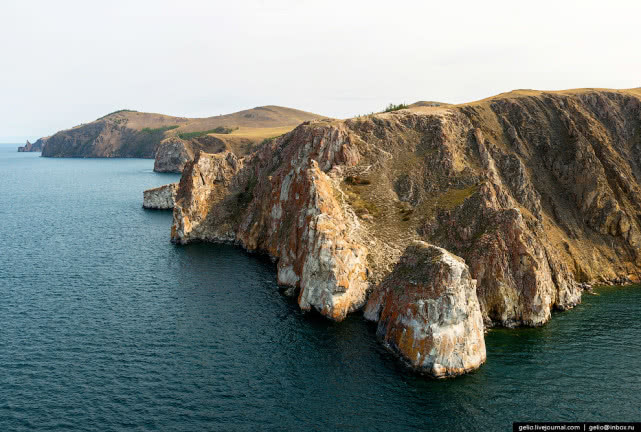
(128, 133)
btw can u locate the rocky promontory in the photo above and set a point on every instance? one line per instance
(33, 147)
(160, 198)
(538, 193)
(172, 141)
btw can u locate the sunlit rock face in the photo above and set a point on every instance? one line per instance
(428, 312)
(288, 209)
(535, 191)
(172, 155)
(160, 198)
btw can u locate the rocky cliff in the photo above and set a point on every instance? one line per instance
(428, 312)
(173, 152)
(247, 130)
(160, 198)
(123, 133)
(33, 147)
(538, 193)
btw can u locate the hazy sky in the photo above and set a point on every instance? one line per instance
(68, 62)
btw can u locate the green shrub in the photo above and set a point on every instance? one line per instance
(268, 140)
(391, 107)
(218, 130)
(160, 129)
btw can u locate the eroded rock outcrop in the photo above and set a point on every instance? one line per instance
(172, 155)
(428, 312)
(160, 198)
(25, 148)
(33, 147)
(300, 221)
(535, 191)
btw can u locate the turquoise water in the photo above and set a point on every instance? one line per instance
(105, 325)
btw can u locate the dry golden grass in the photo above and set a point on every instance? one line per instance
(260, 117)
(429, 107)
(258, 133)
(259, 122)
(528, 92)
(141, 120)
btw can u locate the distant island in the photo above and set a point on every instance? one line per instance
(171, 141)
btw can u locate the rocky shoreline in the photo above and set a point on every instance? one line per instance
(510, 207)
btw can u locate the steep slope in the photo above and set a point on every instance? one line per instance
(129, 133)
(538, 192)
(123, 133)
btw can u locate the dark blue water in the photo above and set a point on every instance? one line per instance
(105, 325)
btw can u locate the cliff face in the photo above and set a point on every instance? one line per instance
(428, 312)
(300, 220)
(121, 134)
(173, 153)
(536, 192)
(160, 198)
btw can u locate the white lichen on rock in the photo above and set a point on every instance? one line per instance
(427, 312)
(160, 198)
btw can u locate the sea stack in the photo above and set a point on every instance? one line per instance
(428, 313)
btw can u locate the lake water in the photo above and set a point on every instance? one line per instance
(105, 325)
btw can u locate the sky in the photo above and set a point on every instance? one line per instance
(67, 62)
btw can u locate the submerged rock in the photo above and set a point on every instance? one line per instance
(428, 312)
(160, 198)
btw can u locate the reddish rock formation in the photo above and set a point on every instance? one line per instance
(427, 312)
(316, 252)
(535, 191)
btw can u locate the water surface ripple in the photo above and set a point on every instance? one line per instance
(105, 325)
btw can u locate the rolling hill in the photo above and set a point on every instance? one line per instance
(173, 140)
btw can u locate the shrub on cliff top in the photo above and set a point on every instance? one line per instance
(218, 130)
(160, 129)
(391, 107)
